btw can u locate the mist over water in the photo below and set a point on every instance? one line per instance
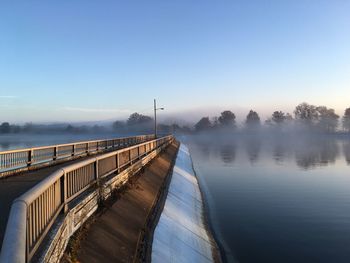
(277, 197)
(18, 141)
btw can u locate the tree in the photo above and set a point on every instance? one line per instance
(227, 118)
(215, 122)
(97, 128)
(288, 117)
(306, 113)
(118, 125)
(253, 119)
(278, 117)
(69, 128)
(28, 127)
(203, 124)
(5, 127)
(136, 118)
(328, 119)
(346, 120)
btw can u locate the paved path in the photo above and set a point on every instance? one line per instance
(114, 234)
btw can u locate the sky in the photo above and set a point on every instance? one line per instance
(98, 60)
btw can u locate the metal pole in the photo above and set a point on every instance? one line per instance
(155, 119)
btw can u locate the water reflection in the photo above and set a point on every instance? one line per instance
(204, 149)
(346, 150)
(307, 153)
(278, 196)
(228, 153)
(253, 147)
(313, 153)
(279, 151)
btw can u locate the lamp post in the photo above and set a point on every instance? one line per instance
(155, 117)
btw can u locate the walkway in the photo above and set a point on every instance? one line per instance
(113, 236)
(13, 186)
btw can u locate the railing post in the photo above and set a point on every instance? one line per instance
(97, 179)
(64, 189)
(73, 149)
(55, 153)
(96, 171)
(30, 157)
(118, 162)
(87, 148)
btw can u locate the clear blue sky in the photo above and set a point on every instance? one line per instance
(90, 60)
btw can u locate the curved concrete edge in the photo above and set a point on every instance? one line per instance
(181, 234)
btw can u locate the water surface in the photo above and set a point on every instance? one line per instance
(19, 141)
(277, 199)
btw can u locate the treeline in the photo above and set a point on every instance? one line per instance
(7, 128)
(135, 124)
(138, 123)
(306, 116)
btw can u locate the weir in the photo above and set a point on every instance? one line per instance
(182, 233)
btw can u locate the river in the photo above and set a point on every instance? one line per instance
(276, 199)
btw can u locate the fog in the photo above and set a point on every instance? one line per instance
(307, 150)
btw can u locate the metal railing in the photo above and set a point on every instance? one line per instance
(33, 213)
(21, 159)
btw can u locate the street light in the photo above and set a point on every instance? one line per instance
(155, 117)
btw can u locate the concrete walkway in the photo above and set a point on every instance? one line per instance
(113, 236)
(181, 234)
(13, 186)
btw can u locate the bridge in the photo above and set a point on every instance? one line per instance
(46, 190)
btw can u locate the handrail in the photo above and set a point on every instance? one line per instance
(20, 159)
(33, 213)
